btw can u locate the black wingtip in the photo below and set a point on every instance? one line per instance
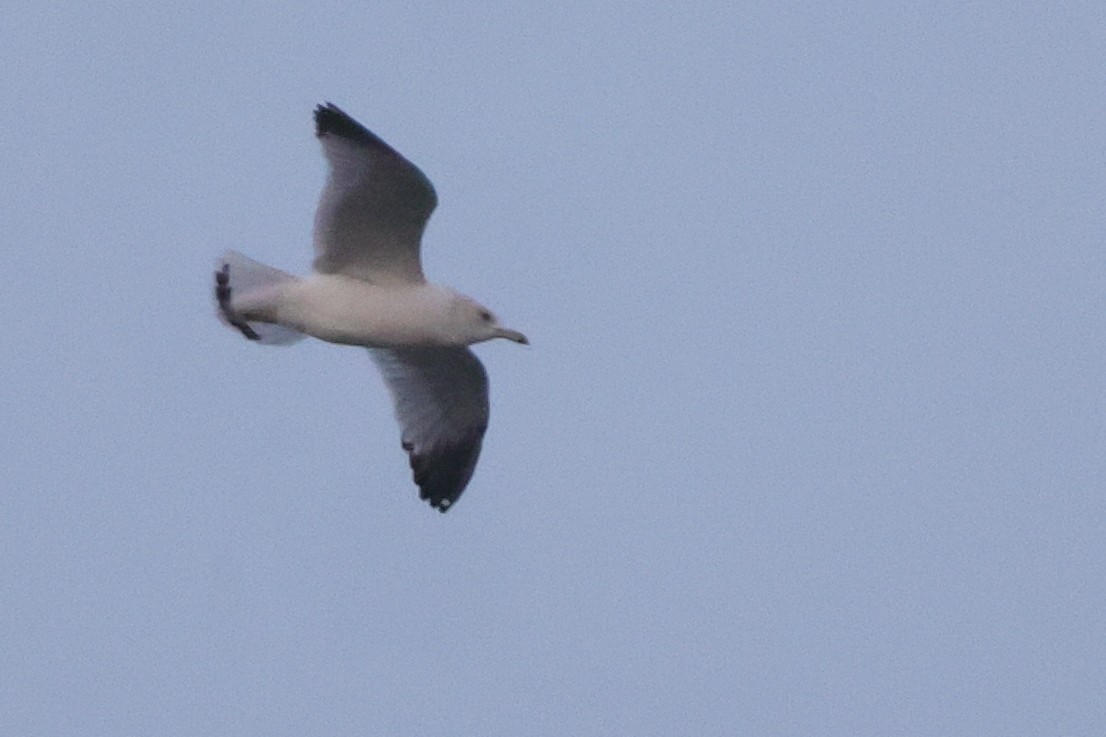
(441, 481)
(331, 120)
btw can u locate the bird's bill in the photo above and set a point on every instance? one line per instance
(512, 335)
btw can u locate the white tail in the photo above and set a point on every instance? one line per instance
(247, 275)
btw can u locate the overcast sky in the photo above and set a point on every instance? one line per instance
(809, 440)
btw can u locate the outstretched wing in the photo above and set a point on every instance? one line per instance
(374, 207)
(441, 403)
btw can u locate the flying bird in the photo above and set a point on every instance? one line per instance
(368, 289)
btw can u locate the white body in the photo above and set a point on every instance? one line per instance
(349, 311)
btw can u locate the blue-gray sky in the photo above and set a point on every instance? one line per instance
(810, 439)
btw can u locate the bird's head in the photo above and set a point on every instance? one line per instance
(475, 323)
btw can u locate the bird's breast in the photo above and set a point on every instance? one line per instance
(341, 309)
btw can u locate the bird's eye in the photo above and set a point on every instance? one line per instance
(485, 316)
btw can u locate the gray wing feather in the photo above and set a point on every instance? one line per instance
(441, 404)
(374, 207)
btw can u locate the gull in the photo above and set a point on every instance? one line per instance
(368, 290)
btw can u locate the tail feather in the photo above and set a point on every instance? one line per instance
(247, 275)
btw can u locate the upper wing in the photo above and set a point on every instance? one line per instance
(374, 206)
(441, 403)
